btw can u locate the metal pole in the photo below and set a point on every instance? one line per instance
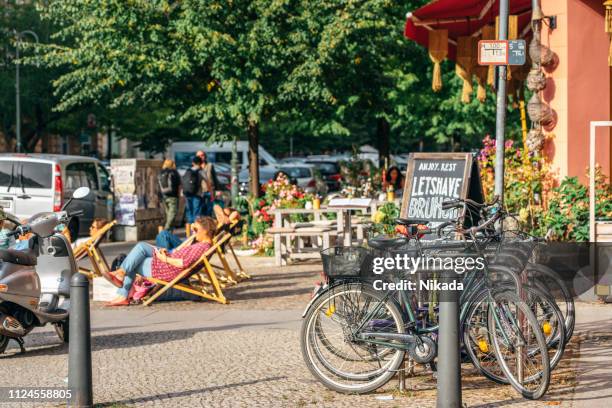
(234, 171)
(17, 96)
(18, 36)
(79, 349)
(449, 362)
(500, 119)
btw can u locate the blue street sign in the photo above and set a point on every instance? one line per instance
(517, 52)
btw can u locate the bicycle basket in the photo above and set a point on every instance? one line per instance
(345, 262)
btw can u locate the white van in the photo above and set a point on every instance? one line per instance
(183, 152)
(33, 183)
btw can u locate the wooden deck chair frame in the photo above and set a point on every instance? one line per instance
(90, 249)
(228, 275)
(197, 269)
(234, 276)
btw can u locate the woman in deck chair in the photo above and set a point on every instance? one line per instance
(225, 216)
(146, 260)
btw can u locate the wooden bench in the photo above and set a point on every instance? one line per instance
(284, 251)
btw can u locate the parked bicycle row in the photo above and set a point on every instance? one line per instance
(369, 313)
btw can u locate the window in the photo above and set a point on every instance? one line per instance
(35, 175)
(327, 168)
(297, 172)
(81, 175)
(105, 179)
(183, 159)
(220, 157)
(6, 169)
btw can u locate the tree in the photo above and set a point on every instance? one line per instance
(218, 69)
(36, 91)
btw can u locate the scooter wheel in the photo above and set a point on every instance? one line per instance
(4, 341)
(63, 330)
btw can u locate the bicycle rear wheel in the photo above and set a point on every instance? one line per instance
(332, 354)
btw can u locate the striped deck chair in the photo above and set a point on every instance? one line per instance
(199, 279)
(90, 249)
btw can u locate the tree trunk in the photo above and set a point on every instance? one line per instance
(253, 133)
(382, 134)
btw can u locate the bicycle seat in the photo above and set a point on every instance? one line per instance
(17, 257)
(411, 221)
(384, 243)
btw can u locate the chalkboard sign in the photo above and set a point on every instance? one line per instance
(432, 178)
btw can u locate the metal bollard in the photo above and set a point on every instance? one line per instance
(449, 359)
(79, 348)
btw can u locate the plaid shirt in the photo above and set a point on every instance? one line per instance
(189, 255)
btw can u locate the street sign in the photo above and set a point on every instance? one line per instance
(502, 52)
(517, 52)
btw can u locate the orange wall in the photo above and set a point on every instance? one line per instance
(578, 87)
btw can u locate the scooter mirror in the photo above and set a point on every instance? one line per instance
(81, 192)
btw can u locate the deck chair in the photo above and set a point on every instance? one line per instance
(234, 229)
(225, 273)
(199, 279)
(90, 249)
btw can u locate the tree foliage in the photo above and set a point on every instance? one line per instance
(328, 74)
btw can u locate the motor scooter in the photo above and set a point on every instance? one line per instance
(35, 282)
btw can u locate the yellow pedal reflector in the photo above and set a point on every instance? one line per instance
(546, 328)
(330, 311)
(483, 345)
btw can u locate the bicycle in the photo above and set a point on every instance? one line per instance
(393, 329)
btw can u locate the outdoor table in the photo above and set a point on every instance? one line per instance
(345, 206)
(279, 230)
(279, 212)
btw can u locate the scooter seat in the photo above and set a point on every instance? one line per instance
(13, 256)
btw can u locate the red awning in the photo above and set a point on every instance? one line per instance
(461, 18)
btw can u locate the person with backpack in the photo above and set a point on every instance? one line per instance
(169, 183)
(209, 184)
(192, 190)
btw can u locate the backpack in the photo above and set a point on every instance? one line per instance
(209, 178)
(166, 182)
(191, 182)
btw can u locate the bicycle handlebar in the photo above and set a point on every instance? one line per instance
(459, 202)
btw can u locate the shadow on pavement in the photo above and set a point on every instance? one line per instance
(186, 393)
(120, 340)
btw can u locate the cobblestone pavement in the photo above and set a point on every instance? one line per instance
(245, 354)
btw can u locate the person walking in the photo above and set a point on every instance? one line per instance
(169, 182)
(209, 182)
(192, 190)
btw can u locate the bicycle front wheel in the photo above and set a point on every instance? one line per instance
(519, 344)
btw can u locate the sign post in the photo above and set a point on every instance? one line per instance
(432, 178)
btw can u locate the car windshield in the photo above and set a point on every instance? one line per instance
(297, 172)
(327, 168)
(25, 174)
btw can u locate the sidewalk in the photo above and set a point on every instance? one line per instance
(593, 387)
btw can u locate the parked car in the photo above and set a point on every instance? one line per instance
(292, 160)
(265, 174)
(33, 183)
(330, 172)
(306, 176)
